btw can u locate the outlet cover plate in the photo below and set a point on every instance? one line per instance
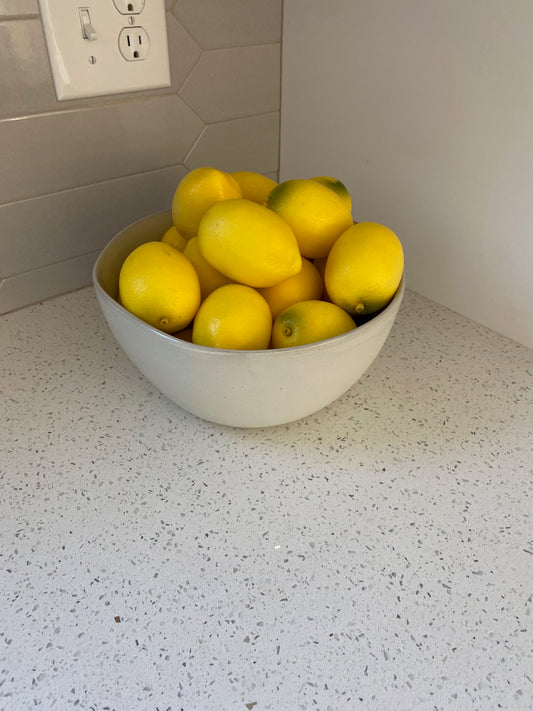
(83, 67)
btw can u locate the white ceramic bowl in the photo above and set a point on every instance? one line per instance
(237, 388)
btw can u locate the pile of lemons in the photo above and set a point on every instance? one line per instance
(251, 264)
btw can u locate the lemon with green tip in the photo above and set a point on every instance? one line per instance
(337, 186)
(309, 322)
(315, 213)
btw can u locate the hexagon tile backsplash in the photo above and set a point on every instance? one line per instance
(76, 172)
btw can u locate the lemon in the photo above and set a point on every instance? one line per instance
(337, 186)
(316, 214)
(248, 243)
(254, 186)
(305, 285)
(160, 286)
(309, 321)
(233, 316)
(209, 278)
(364, 268)
(196, 192)
(173, 237)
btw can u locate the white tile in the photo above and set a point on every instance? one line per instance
(230, 23)
(235, 82)
(47, 153)
(26, 85)
(25, 79)
(57, 227)
(182, 49)
(242, 144)
(39, 284)
(15, 8)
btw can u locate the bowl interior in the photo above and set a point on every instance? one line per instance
(107, 267)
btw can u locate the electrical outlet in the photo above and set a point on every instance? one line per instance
(134, 43)
(129, 7)
(88, 44)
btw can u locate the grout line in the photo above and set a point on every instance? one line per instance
(90, 185)
(241, 118)
(226, 121)
(103, 102)
(281, 47)
(39, 302)
(184, 28)
(280, 85)
(51, 264)
(186, 79)
(16, 18)
(144, 172)
(191, 149)
(240, 46)
(210, 49)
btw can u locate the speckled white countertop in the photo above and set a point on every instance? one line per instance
(377, 555)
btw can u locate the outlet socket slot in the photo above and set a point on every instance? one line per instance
(129, 7)
(134, 43)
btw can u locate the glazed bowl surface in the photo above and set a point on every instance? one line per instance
(231, 387)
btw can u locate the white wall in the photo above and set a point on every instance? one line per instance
(424, 108)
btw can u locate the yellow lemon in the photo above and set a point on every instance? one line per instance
(254, 186)
(196, 193)
(209, 278)
(316, 214)
(364, 268)
(305, 285)
(234, 316)
(173, 237)
(309, 321)
(160, 286)
(337, 186)
(248, 243)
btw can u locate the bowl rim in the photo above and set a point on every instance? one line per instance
(217, 352)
